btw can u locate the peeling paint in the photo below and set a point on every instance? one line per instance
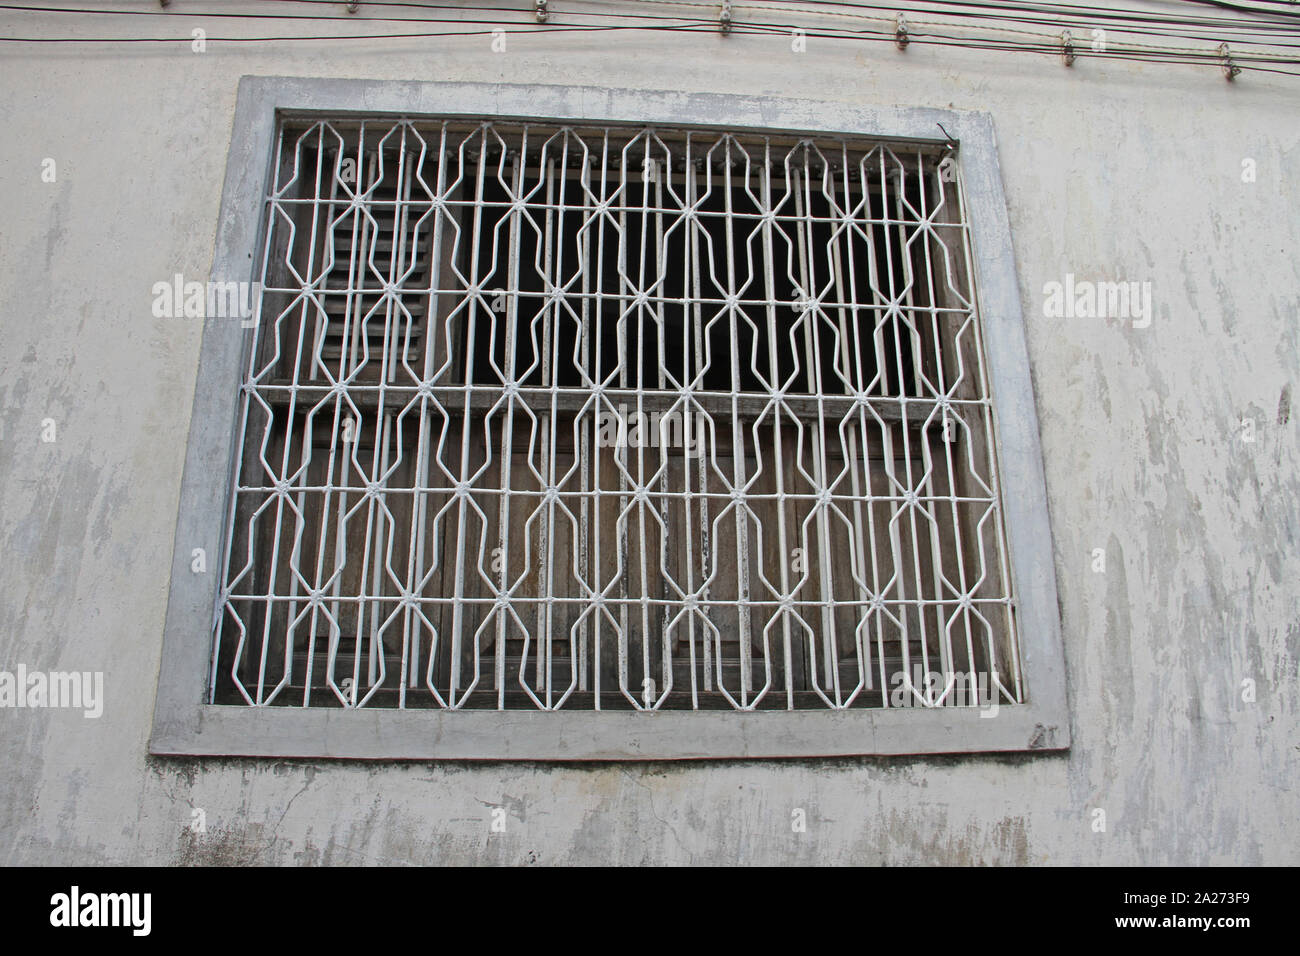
(1142, 452)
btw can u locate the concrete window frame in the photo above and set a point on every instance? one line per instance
(185, 724)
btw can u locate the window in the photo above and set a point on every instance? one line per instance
(669, 439)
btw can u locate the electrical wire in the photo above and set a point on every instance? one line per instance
(1043, 44)
(1100, 13)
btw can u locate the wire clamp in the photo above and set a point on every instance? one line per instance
(541, 11)
(352, 7)
(1230, 69)
(901, 39)
(1067, 48)
(724, 18)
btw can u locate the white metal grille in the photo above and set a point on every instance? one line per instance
(545, 416)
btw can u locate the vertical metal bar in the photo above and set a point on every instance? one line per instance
(665, 454)
(643, 222)
(432, 346)
(778, 414)
(600, 378)
(738, 466)
(623, 451)
(467, 418)
(857, 375)
(588, 475)
(689, 371)
(550, 428)
(912, 493)
(830, 653)
(511, 322)
(707, 557)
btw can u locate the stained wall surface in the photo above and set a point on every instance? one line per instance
(1172, 447)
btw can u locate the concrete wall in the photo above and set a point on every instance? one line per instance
(1112, 171)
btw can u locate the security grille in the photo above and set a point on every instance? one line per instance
(542, 417)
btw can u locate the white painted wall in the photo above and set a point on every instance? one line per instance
(1111, 171)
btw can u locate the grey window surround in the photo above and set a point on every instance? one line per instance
(185, 725)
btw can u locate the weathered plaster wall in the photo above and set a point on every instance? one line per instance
(1111, 172)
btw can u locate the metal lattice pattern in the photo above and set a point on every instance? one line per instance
(543, 417)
